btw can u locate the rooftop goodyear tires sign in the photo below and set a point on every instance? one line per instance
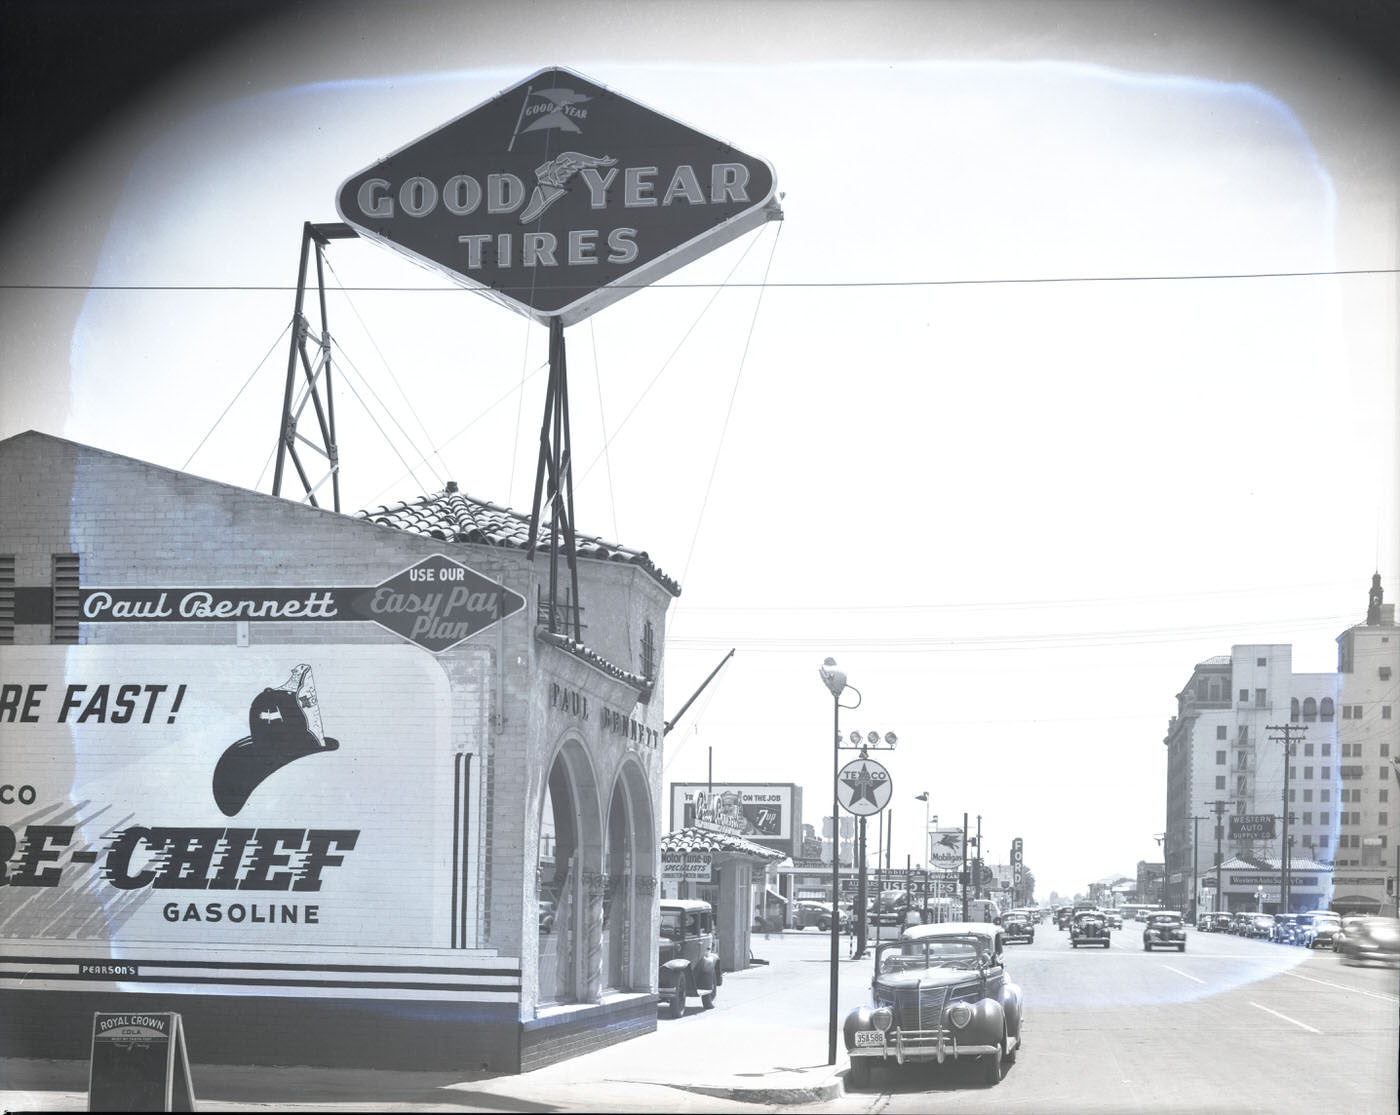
(559, 196)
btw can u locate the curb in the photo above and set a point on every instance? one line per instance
(829, 1089)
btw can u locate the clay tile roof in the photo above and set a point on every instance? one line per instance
(703, 840)
(453, 516)
(578, 650)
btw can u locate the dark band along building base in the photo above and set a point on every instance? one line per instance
(328, 786)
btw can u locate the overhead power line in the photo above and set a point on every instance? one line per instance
(815, 284)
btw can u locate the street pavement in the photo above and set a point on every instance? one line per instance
(763, 1045)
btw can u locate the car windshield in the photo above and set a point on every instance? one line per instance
(672, 924)
(1163, 919)
(939, 952)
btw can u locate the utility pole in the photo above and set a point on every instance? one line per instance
(964, 879)
(1218, 806)
(858, 913)
(979, 857)
(1195, 839)
(1285, 858)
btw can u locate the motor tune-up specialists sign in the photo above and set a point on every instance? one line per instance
(695, 867)
(559, 196)
(436, 603)
(224, 798)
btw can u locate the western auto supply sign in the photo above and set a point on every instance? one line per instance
(1252, 826)
(559, 196)
(197, 797)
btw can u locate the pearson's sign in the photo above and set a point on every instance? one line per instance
(559, 196)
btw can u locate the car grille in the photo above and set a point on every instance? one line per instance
(916, 1008)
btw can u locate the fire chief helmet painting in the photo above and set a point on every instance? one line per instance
(284, 725)
(144, 822)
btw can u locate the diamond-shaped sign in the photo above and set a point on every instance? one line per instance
(437, 603)
(560, 196)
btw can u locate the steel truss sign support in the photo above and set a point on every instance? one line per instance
(555, 471)
(316, 371)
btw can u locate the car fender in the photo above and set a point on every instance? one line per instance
(707, 973)
(673, 973)
(988, 1018)
(1012, 1008)
(858, 1019)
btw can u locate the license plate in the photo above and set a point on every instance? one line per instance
(866, 1038)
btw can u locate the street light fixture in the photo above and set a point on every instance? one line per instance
(834, 678)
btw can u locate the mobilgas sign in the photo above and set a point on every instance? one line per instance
(436, 603)
(559, 196)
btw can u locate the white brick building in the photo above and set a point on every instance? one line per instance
(435, 847)
(1225, 766)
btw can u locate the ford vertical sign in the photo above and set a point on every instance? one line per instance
(560, 196)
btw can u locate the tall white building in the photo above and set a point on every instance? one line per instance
(1365, 823)
(1232, 803)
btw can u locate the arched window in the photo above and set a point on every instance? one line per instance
(1325, 710)
(1293, 712)
(618, 908)
(1309, 710)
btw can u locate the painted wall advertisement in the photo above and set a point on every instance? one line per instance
(760, 812)
(199, 796)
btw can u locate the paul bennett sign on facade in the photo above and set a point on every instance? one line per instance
(559, 196)
(436, 603)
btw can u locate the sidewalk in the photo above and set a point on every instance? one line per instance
(764, 1043)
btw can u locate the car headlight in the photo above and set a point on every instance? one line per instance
(882, 1018)
(959, 1015)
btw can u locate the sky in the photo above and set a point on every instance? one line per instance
(1071, 364)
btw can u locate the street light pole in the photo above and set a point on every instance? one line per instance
(835, 680)
(924, 798)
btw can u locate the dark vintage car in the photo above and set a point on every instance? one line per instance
(1282, 931)
(1370, 940)
(687, 963)
(1089, 927)
(940, 993)
(1321, 927)
(1164, 929)
(1018, 927)
(810, 912)
(1258, 926)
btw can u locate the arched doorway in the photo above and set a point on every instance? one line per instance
(566, 872)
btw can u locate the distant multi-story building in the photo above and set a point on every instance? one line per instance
(1228, 791)
(1364, 822)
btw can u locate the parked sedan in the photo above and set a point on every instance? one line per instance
(1164, 930)
(1258, 926)
(1321, 929)
(940, 993)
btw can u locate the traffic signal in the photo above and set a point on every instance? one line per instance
(1390, 885)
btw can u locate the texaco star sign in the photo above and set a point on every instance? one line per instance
(863, 787)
